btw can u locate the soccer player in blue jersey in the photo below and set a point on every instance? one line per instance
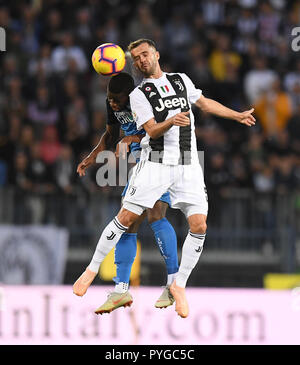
(119, 116)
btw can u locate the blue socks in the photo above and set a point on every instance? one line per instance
(166, 240)
(125, 252)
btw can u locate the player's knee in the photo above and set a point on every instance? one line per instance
(198, 226)
(154, 216)
(157, 213)
(127, 218)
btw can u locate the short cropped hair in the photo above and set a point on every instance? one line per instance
(140, 41)
(121, 83)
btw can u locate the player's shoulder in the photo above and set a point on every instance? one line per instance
(184, 77)
(182, 74)
(174, 73)
(137, 91)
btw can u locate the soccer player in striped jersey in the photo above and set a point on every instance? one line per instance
(119, 116)
(161, 105)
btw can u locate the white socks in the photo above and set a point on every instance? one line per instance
(171, 278)
(191, 251)
(121, 288)
(109, 238)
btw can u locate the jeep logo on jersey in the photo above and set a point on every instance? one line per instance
(172, 103)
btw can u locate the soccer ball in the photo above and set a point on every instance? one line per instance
(108, 59)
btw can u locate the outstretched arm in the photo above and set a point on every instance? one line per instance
(107, 140)
(213, 107)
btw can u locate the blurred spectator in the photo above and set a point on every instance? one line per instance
(15, 127)
(199, 69)
(292, 83)
(68, 55)
(218, 176)
(20, 179)
(98, 122)
(64, 169)
(74, 135)
(79, 109)
(246, 27)
(84, 32)
(178, 35)
(142, 25)
(273, 109)
(14, 101)
(255, 150)
(258, 80)
(50, 145)
(239, 172)
(98, 93)
(111, 31)
(268, 22)
(285, 175)
(29, 29)
(26, 138)
(293, 128)
(10, 69)
(222, 59)
(52, 28)
(281, 145)
(263, 180)
(42, 63)
(217, 179)
(42, 110)
(20, 176)
(213, 12)
(40, 174)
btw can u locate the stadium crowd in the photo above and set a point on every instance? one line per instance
(52, 102)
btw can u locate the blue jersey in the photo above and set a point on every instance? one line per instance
(125, 120)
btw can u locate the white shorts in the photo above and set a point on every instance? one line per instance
(150, 180)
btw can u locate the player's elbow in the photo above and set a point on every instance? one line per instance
(153, 135)
(203, 104)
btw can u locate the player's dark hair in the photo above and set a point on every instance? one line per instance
(140, 41)
(121, 83)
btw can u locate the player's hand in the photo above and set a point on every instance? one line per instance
(181, 119)
(84, 164)
(247, 118)
(123, 147)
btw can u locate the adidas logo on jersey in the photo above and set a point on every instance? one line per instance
(173, 103)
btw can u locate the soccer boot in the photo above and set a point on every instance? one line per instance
(166, 299)
(181, 307)
(83, 282)
(114, 301)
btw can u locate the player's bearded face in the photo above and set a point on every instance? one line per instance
(145, 59)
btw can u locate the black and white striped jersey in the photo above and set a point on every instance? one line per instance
(161, 99)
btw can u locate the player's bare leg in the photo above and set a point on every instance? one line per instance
(191, 252)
